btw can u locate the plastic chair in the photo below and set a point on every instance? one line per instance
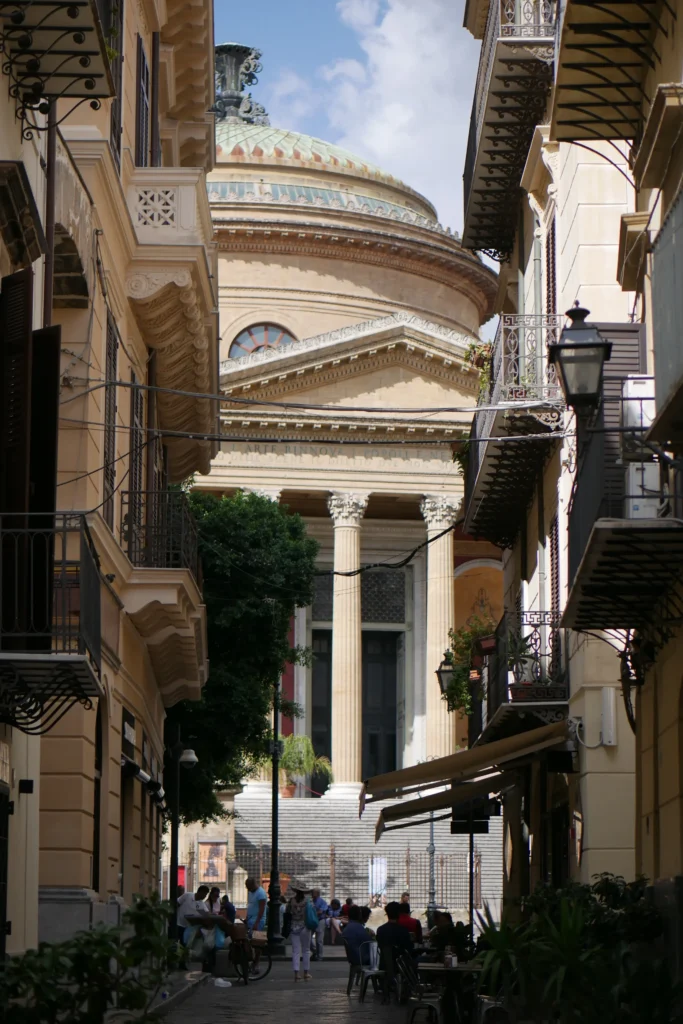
(369, 967)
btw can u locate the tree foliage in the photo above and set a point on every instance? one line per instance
(258, 566)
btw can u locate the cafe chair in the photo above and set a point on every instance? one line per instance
(369, 967)
(354, 971)
(423, 1001)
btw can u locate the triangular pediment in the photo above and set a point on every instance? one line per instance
(411, 333)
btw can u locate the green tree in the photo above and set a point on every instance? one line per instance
(258, 566)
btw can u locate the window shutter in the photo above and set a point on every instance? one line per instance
(142, 109)
(554, 566)
(110, 376)
(16, 321)
(135, 459)
(116, 32)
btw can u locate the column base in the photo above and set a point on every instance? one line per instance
(343, 791)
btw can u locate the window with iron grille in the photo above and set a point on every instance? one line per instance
(550, 270)
(142, 108)
(383, 596)
(115, 40)
(322, 598)
(554, 566)
(110, 375)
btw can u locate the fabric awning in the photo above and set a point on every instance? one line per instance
(466, 764)
(444, 799)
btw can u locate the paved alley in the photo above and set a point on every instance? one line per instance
(278, 998)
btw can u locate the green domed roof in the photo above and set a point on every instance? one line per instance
(239, 143)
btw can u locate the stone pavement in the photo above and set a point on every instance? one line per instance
(278, 1000)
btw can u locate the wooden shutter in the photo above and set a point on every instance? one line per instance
(155, 140)
(110, 376)
(47, 344)
(116, 35)
(142, 108)
(554, 566)
(16, 340)
(550, 269)
(135, 457)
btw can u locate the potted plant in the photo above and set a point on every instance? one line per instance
(298, 760)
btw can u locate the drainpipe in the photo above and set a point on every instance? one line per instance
(50, 182)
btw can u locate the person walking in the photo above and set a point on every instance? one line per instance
(318, 937)
(256, 906)
(302, 914)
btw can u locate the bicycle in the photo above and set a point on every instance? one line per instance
(247, 967)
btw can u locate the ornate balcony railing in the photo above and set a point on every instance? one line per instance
(158, 530)
(528, 672)
(510, 95)
(50, 627)
(520, 375)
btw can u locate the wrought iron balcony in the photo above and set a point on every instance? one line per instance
(524, 389)
(667, 316)
(525, 681)
(49, 619)
(625, 528)
(158, 531)
(52, 50)
(511, 93)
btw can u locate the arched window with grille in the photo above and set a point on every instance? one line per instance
(259, 337)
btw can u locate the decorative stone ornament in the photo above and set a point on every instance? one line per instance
(347, 509)
(439, 511)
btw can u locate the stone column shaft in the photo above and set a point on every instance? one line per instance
(439, 512)
(347, 673)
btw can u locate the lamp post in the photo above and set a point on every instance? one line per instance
(188, 759)
(580, 356)
(274, 892)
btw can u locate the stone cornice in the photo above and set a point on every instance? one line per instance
(403, 247)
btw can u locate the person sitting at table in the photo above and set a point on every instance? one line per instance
(345, 908)
(411, 923)
(354, 937)
(392, 933)
(448, 934)
(365, 914)
(334, 920)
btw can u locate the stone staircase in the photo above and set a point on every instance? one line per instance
(324, 843)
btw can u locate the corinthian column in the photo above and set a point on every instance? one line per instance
(439, 512)
(347, 672)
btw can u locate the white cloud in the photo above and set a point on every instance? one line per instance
(410, 113)
(405, 105)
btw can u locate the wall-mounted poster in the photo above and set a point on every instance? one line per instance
(212, 860)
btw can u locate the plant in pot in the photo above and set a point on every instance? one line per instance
(298, 760)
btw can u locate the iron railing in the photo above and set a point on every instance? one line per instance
(520, 373)
(49, 586)
(529, 664)
(508, 20)
(158, 530)
(618, 476)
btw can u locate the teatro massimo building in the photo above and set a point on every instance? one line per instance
(341, 294)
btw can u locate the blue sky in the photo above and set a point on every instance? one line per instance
(391, 80)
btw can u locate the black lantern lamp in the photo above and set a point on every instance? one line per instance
(580, 357)
(444, 672)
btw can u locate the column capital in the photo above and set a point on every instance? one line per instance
(440, 511)
(347, 508)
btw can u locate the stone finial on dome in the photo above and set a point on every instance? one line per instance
(237, 66)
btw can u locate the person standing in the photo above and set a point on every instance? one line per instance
(300, 935)
(318, 937)
(256, 906)
(228, 909)
(213, 901)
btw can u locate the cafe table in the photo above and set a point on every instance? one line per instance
(451, 980)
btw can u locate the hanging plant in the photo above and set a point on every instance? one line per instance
(463, 689)
(461, 455)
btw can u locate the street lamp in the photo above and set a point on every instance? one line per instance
(275, 939)
(188, 759)
(444, 672)
(579, 358)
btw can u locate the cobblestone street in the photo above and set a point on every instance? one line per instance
(278, 998)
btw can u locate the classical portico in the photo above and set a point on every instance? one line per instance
(348, 320)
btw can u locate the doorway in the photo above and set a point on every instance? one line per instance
(4, 853)
(380, 681)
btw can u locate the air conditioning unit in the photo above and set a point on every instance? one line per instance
(637, 414)
(643, 496)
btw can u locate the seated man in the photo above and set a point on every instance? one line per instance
(392, 933)
(411, 923)
(354, 936)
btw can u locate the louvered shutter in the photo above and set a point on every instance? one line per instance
(550, 269)
(142, 107)
(116, 35)
(110, 372)
(16, 315)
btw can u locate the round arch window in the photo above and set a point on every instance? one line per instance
(259, 337)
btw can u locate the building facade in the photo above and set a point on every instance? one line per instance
(632, 590)
(110, 629)
(344, 306)
(550, 210)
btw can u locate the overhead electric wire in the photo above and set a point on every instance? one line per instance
(338, 410)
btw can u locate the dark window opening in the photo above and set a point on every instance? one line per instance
(321, 701)
(142, 108)
(380, 680)
(114, 33)
(110, 372)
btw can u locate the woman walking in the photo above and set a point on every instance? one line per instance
(300, 934)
